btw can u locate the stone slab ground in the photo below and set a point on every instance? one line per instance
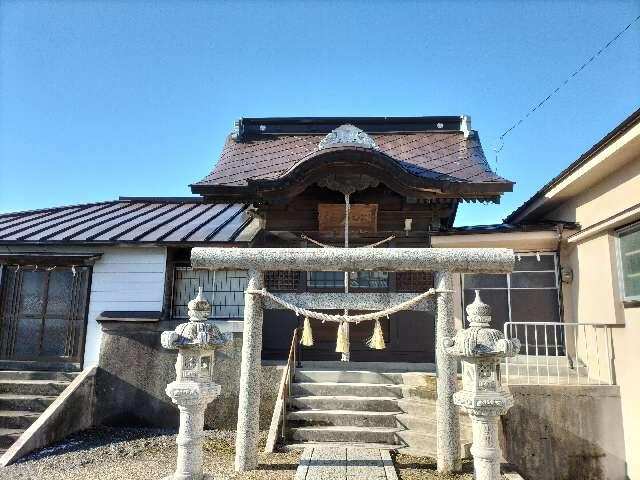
(345, 463)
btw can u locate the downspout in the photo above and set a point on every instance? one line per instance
(559, 231)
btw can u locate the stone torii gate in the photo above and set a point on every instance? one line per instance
(443, 261)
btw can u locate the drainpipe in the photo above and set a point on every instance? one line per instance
(559, 230)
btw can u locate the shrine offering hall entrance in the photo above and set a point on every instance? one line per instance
(43, 315)
(409, 337)
(409, 334)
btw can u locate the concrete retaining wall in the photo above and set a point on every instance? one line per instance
(565, 432)
(71, 412)
(135, 369)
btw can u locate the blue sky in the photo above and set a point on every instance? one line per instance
(101, 99)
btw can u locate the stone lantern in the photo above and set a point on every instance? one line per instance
(483, 397)
(196, 341)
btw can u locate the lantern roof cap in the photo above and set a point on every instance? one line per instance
(479, 340)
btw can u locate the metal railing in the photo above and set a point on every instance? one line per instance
(557, 353)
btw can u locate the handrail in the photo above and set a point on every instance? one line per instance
(288, 374)
(279, 416)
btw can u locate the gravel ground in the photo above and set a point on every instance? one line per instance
(139, 454)
(149, 454)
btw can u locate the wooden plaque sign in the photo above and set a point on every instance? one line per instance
(363, 217)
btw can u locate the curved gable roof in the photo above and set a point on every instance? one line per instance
(448, 156)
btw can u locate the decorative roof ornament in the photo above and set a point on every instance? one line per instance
(347, 134)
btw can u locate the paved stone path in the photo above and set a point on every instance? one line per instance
(345, 463)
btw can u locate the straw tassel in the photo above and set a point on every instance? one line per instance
(342, 342)
(377, 340)
(307, 334)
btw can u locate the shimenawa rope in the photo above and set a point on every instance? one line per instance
(325, 317)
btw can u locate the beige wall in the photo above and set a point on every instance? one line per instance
(616, 192)
(594, 295)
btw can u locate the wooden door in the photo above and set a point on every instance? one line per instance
(43, 313)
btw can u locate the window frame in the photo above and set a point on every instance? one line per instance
(508, 288)
(51, 263)
(631, 300)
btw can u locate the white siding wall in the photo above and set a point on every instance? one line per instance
(125, 278)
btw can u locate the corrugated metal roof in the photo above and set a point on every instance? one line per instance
(132, 220)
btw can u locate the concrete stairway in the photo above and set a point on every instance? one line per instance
(24, 395)
(344, 407)
(373, 409)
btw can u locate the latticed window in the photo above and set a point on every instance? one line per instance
(335, 280)
(414, 281)
(282, 281)
(224, 290)
(42, 312)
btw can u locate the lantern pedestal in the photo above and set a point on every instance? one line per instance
(192, 400)
(483, 397)
(194, 387)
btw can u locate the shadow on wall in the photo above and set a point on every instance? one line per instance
(135, 370)
(565, 433)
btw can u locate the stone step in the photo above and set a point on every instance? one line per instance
(350, 389)
(303, 445)
(347, 376)
(376, 404)
(385, 435)
(421, 444)
(17, 419)
(32, 403)
(416, 379)
(353, 418)
(8, 436)
(37, 375)
(428, 425)
(33, 387)
(424, 407)
(420, 392)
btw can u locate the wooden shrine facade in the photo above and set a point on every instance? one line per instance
(403, 179)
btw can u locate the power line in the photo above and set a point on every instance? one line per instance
(500, 140)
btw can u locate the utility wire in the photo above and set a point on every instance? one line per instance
(500, 141)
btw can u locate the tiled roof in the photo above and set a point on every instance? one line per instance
(132, 220)
(446, 155)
